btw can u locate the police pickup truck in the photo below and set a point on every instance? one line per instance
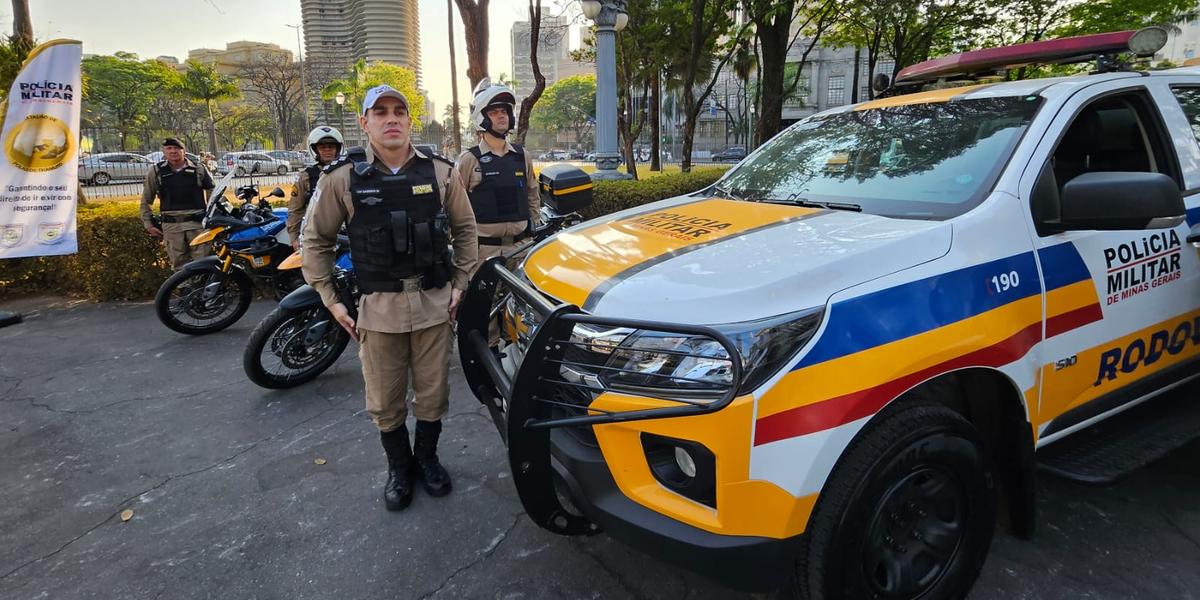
(840, 363)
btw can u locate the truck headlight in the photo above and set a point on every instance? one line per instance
(670, 365)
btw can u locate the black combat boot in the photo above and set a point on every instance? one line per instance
(397, 492)
(434, 477)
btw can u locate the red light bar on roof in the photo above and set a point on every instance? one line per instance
(990, 59)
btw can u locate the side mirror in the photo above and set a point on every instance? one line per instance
(1120, 200)
(277, 192)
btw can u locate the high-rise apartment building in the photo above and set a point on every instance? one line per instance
(553, 42)
(338, 32)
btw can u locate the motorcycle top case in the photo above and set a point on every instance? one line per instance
(565, 188)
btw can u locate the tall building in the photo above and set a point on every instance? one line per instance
(552, 50)
(339, 32)
(568, 67)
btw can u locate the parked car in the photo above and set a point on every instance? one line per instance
(157, 156)
(242, 163)
(554, 155)
(100, 169)
(295, 160)
(733, 154)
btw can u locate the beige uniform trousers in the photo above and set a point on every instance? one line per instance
(388, 358)
(178, 237)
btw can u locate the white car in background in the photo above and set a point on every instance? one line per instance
(243, 163)
(101, 169)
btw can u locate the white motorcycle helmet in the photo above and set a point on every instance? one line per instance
(323, 133)
(488, 96)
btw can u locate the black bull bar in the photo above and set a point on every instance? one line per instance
(521, 406)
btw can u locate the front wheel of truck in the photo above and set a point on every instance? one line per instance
(908, 511)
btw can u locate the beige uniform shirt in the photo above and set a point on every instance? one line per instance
(150, 190)
(296, 205)
(470, 174)
(389, 312)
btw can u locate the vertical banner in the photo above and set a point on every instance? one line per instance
(39, 168)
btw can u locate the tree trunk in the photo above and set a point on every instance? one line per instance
(454, 85)
(212, 128)
(474, 15)
(857, 63)
(22, 25)
(689, 133)
(773, 40)
(539, 80)
(655, 121)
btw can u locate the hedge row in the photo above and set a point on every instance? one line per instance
(118, 261)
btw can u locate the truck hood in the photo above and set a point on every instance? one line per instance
(714, 260)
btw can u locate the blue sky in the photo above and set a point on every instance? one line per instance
(172, 27)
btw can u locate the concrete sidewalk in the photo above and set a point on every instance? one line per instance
(103, 409)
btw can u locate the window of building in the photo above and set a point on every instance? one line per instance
(837, 90)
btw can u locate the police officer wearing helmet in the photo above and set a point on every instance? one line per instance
(182, 188)
(325, 144)
(498, 175)
(396, 203)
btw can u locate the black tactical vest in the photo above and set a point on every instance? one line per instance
(398, 230)
(179, 190)
(314, 174)
(500, 195)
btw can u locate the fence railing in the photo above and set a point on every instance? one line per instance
(133, 188)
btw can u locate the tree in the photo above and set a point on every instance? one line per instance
(243, 123)
(569, 104)
(275, 80)
(773, 25)
(122, 88)
(362, 77)
(641, 53)
(204, 85)
(700, 31)
(474, 14)
(538, 34)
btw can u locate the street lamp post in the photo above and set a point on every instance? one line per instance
(340, 98)
(303, 83)
(610, 17)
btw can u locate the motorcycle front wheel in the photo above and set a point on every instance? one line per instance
(200, 302)
(291, 347)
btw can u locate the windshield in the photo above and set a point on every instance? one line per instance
(921, 161)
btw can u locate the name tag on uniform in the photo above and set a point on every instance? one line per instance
(423, 189)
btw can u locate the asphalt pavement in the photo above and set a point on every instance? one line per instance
(240, 492)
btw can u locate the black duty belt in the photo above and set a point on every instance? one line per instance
(196, 216)
(504, 241)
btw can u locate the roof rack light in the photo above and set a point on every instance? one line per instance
(1141, 42)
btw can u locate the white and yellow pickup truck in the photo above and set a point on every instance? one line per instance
(843, 360)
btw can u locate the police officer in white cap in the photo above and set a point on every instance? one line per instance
(325, 144)
(396, 203)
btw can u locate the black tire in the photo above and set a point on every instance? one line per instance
(101, 179)
(182, 295)
(282, 170)
(282, 335)
(239, 172)
(915, 474)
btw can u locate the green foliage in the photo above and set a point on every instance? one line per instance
(116, 260)
(120, 90)
(612, 196)
(568, 104)
(362, 77)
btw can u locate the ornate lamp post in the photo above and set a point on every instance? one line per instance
(610, 17)
(340, 98)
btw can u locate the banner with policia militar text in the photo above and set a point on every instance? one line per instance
(39, 168)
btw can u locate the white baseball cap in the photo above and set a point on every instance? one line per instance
(380, 91)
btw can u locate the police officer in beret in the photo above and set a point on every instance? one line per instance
(398, 204)
(182, 188)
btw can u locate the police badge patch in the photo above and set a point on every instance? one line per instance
(10, 235)
(50, 233)
(487, 158)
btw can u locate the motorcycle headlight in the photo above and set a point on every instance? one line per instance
(669, 365)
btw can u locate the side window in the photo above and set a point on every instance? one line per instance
(1189, 101)
(1116, 133)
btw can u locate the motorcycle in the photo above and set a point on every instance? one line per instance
(249, 241)
(300, 338)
